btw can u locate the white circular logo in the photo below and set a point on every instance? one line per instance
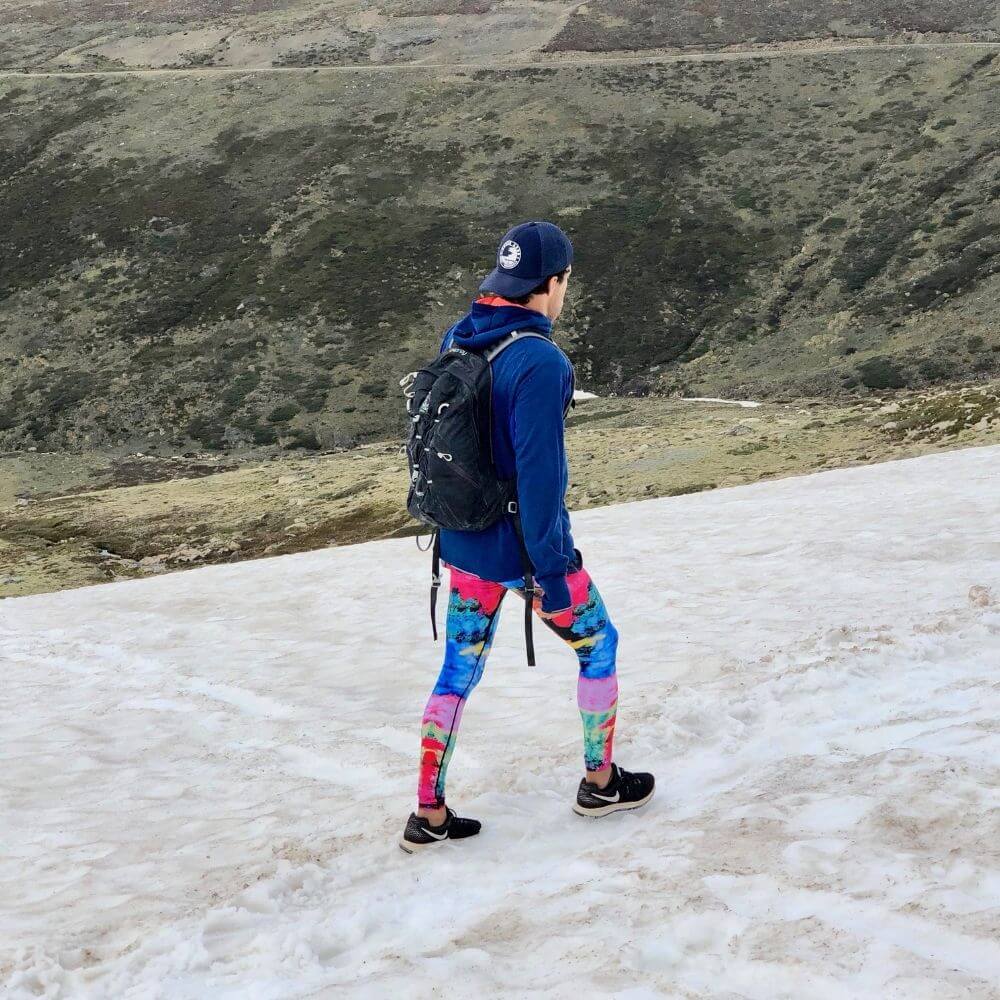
(510, 255)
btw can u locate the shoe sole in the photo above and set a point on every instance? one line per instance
(596, 812)
(409, 847)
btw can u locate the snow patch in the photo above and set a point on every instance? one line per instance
(201, 804)
(745, 403)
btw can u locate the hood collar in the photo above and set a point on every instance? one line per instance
(492, 318)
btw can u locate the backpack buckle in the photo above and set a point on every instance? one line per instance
(512, 507)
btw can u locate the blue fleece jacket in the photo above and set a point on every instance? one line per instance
(532, 391)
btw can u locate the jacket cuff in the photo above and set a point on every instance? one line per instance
(556, 596)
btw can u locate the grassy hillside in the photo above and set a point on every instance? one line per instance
(206, 261)
(96, 34)
(644, 24)
(79, 520)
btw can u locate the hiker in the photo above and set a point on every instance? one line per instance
(528, 547)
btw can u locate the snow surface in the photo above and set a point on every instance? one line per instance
(747, 404)
(580, 394)
(204, 774)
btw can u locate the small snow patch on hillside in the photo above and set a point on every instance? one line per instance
(746, 403)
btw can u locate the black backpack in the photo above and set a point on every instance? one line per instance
(454, 482)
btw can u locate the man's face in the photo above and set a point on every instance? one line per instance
(558, 297)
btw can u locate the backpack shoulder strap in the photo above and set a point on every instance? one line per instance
(501, 345)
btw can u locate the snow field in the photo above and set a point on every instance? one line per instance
(204, 775)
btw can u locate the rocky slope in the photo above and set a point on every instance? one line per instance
(206, 260)
(643, 24)
(75, 521)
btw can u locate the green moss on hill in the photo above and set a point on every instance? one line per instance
(207, 250)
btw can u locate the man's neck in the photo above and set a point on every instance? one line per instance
(499, 300)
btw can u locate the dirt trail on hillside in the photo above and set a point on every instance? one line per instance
(777, 50)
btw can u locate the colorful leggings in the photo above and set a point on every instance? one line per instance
(473, 613)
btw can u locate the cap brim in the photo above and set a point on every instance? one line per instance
(502, 283)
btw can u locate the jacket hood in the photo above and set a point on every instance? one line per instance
(490, 320)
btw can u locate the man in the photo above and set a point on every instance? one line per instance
(532, 392)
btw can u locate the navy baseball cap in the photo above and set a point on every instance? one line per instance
(528, 255)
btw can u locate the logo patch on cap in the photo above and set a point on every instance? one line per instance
(510, 255)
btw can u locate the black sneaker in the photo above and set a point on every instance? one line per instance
(420, 834)
(625, 790)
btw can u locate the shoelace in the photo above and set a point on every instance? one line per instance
(627, 782)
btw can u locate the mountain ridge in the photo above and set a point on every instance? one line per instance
(305, 32)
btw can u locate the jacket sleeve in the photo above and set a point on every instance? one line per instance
(537, 432)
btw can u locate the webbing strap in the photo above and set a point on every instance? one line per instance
(501, 345)
(529, 586)
(529, 607)
(435, 581)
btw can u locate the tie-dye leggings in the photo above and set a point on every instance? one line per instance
(473, 612)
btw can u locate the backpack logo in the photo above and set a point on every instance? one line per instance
(510, 255)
